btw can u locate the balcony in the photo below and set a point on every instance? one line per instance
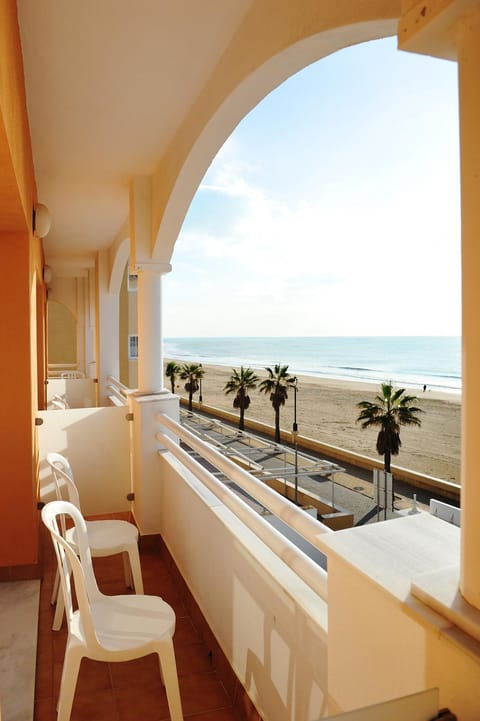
(113, 692)
(256, 635)
(239, 579)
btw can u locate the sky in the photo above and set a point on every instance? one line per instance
(332, 209)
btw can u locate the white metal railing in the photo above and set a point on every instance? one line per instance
(446, 512)
(310, 529)
(117, 392)
(59, 370)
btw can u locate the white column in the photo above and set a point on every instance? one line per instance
(468, 45)
(150, 399)
(107, 328)
(150, 338)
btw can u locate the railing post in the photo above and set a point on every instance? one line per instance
(145, 462)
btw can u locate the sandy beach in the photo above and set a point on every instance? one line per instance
(326, 410)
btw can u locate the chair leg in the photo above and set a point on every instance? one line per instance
(56, 585)
(135, 567)
(59, 611)
(127, 570)
(68, 683)
(168, 671)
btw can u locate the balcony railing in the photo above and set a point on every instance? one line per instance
(293, 516)
(117, 392)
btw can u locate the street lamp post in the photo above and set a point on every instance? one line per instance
(295, 434)
(295, 427)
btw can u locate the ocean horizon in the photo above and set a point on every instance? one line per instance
(411, 361)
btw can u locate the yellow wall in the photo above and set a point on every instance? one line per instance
(62, 334)
(20, 256)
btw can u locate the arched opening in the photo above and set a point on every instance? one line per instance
(354, 231)
(261, 57)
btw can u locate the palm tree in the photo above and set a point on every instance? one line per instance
(172, 370)
(391, 409)
(192, 373)
(240, 383)
(277, 385)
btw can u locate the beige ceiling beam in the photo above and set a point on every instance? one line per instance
(72, 266)
(429, 27)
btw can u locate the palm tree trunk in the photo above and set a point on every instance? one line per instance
(277, 424)
(241, 423)
(388, 458)
(172, 381)
(190, 398)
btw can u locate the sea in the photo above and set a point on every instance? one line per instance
(410, 361)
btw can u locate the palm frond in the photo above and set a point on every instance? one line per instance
(391, 410)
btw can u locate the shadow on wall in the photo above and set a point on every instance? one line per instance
(77, 392)
(96, 442)
(272, 630)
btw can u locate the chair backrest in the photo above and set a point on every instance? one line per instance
(72, 374)
(86, 588)
(63, 475)
(59, 402)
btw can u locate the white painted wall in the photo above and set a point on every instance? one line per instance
(270, 625)
(97, 444)
(383, 642)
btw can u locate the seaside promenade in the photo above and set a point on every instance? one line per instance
(327, 414)
(346, 488)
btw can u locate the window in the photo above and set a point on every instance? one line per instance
(132, 347)
(132, 281)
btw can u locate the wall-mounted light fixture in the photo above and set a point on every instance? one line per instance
(47, 274)
(41, 220)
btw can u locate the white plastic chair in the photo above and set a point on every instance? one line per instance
(105, 537)
(106, 628)
(58, 403)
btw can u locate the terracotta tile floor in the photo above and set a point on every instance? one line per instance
(129, 691)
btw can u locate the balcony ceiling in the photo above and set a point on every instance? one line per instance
(107, 83)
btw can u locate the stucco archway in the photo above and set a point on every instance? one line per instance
(261, 57)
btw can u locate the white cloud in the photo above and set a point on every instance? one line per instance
(368, 245)
(305, 269)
